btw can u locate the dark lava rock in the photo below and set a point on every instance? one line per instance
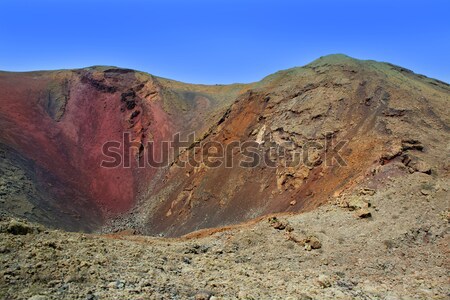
(19, 228)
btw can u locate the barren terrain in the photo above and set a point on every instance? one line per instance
(370, 223)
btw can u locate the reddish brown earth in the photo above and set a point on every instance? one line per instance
(53, 126)
(58, 122)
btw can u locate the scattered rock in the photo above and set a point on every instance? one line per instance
(91, 296)
(120, 285)
(324, 281)
(358, 203)
(412, 145)
(134, 114)
(187, 260)
(116, 285)
(197, 249)
(19, 228)
(203, 296)
(313, 242)
(277, 224)
(289, 228)
(424, 192)
(354, 203)
(416, 165)
(367, 191)
(243, 295)
(446, 215)
(310, 242)
(38, 297)
(395, 150)
(363, 213)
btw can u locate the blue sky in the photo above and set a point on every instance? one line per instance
(222, 41)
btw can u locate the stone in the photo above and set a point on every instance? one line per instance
(314, 242)
(310, 242)
(19, 228)
(367, 191)
(425, 192)
(357, 203)
(422, 167)
(412, 145)
(91, 296)
(324, 281)
(202, 296)
(415, 164)
(277, 224)
(38, 297)
(187, 260)
(120, 285)
(363, 213)
(289, 228)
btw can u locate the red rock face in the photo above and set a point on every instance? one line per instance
(61, 121)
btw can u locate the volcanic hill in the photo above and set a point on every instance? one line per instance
(328, 181)
(53, 126)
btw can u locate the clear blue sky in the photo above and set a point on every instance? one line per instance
(222, 41)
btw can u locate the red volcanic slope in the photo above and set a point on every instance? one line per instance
(60, 121)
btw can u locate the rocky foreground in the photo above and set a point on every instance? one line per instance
(389, 242)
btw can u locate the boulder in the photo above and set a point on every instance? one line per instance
(363, 213)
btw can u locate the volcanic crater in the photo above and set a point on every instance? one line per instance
(54, 125)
